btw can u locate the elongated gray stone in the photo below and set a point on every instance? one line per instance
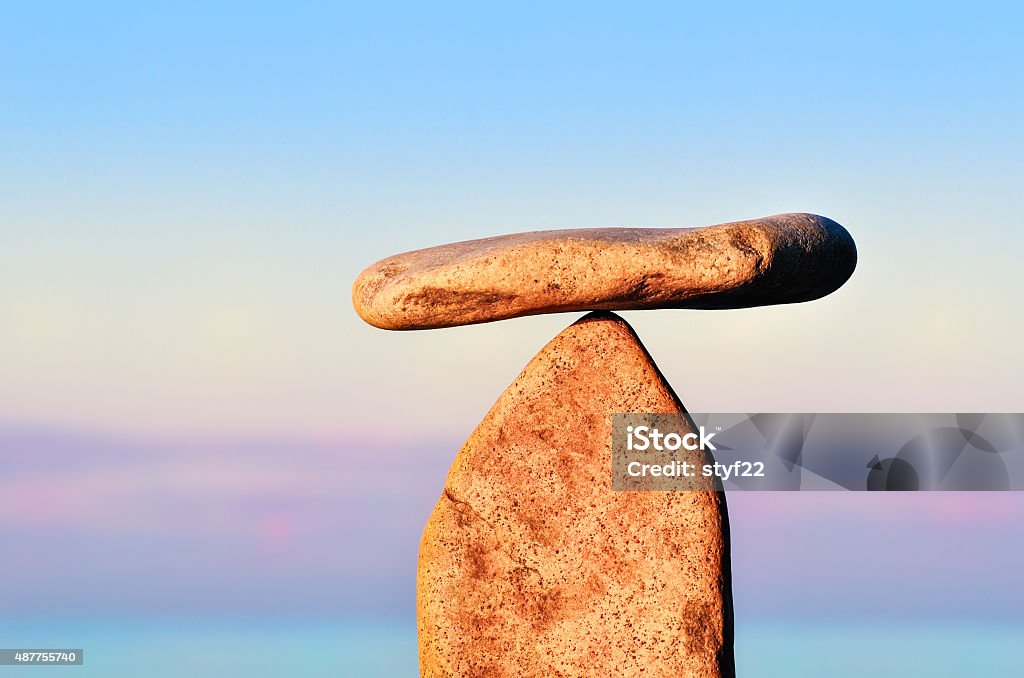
(776, 260)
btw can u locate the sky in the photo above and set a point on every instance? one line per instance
(188, 191)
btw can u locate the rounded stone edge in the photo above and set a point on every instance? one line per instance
(782, 270)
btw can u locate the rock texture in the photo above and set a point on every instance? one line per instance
(530, 564)
(776, 260)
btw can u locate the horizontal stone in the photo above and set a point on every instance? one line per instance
(781, 259)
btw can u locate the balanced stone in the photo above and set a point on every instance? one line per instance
(532, 565)
(776, 260)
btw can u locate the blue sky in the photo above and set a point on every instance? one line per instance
(187, 192)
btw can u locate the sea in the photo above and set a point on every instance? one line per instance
(370, 648)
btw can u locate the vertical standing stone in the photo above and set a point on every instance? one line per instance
(530, 564)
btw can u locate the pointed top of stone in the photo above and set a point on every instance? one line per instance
(533, 564)
(781, 259)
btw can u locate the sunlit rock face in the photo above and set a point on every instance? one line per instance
(531, 565)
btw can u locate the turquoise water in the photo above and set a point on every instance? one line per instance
(880, 650)
(236, 649)
(368, 649)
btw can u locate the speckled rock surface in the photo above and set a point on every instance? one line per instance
(776, 260)
(530, 564)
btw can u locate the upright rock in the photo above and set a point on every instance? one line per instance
(531, 565)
